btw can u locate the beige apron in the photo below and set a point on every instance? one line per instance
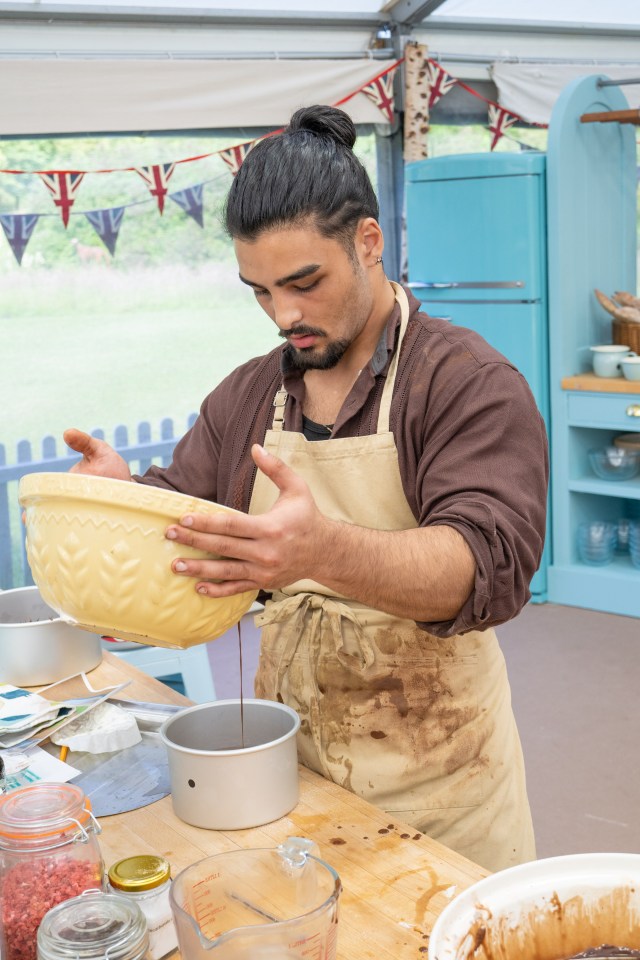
(419, 726)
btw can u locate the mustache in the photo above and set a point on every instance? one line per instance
(301, 331)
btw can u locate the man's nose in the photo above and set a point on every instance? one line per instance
(286, 311)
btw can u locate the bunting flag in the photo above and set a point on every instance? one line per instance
(18, 228)
(190, 200)
(63, 184)
(439, 82)
(380, 92)
(107, 225)
(157, 178)
(234, 156)
(499, 121)
(63, 187)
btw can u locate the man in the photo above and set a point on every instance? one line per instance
(392, 470)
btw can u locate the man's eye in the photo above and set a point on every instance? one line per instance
(260, 293)
(308, 288)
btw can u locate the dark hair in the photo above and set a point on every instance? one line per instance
(308, 172)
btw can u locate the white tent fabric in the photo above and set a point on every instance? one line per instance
(80, 96)
(576, 11)
(531, 89)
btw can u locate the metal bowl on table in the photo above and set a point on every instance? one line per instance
(36, 646)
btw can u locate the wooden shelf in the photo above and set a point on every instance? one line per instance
(612, 116)
(589, 381)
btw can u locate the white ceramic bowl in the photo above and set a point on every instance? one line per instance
(544, 910)
(606, 359)
(219, 784)
(36, 646)
(630, 368)
(98, 552)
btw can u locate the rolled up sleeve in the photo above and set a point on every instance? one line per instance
(484, 472)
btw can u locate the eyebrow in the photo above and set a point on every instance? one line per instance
(291, 278)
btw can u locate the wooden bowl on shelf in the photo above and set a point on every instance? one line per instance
(627, 441)
(626, 332)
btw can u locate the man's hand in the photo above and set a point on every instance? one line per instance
(424, 574)
(267, 551)
(98, 458)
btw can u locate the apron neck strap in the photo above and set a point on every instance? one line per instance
(387, 393)
(280, 398)
(279, 402)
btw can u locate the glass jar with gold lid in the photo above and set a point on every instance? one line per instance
(146, 879)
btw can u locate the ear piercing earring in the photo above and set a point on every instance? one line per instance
(379, 260)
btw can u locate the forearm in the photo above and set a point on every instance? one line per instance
(424, 574)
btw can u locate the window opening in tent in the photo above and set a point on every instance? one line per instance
(96, 340)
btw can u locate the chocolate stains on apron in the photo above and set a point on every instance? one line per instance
(417, 725)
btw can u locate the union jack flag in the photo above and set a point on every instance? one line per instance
(440, 82)
(190, 200)
(106, 224)
(157, 178)
(63, 188)
(499, 121)
(380, 92)
(234, 156)
(18, 228)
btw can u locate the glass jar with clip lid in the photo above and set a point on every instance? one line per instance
(94, 926)
(49, 852)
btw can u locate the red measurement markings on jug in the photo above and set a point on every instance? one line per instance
(206, 907)
(309, 947)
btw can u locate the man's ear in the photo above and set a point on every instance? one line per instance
(369, 241)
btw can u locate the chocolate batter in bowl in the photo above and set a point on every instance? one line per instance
(606, 952)
(586, 905)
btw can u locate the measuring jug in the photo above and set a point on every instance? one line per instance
(258, 904)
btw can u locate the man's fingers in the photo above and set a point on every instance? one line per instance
(81, 442)
(229, 589)
(237, 544)
(285, 479)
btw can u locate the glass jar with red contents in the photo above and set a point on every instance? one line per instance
(48, 853)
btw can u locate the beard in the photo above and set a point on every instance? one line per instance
(310, 359)
(356, 303)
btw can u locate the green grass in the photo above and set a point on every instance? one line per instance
(97, 347)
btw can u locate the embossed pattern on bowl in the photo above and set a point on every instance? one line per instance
(98, 553)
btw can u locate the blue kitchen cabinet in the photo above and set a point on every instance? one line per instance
(591, 182)
(477, 254)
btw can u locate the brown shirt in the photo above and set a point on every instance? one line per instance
(471, 445)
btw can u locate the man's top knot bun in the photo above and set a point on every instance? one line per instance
(329, 122)
(309, 175)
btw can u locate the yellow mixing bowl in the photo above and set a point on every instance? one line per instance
(98, 553)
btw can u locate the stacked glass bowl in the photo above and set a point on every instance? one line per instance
(597, 540)
(634, 543)
(614, 463)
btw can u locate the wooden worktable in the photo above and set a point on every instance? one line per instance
(395, 880)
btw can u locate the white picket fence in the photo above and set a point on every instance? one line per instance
(140, 453)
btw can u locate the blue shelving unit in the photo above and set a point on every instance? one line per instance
(591, 184)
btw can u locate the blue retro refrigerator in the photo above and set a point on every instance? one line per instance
(477, 251)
